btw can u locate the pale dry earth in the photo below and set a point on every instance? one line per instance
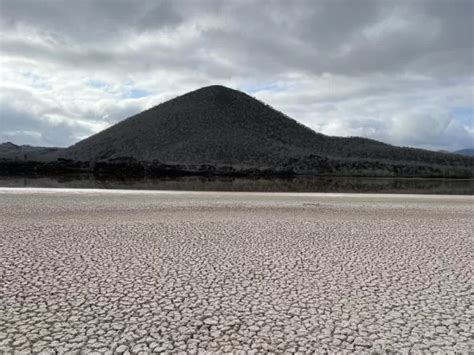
(151, 272)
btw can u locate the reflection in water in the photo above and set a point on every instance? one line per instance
(297, 184)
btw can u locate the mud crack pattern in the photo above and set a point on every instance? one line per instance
(140, 273)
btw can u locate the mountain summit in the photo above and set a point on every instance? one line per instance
(212, 125)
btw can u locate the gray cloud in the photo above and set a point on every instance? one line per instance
(369, 67)
(88, 20)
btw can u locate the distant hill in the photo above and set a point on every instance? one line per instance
(469, 152)
(223, 130)
(9, 150)
(8, 147)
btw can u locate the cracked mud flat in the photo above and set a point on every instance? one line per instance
(151, 272)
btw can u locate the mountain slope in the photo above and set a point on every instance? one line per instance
(220, 126)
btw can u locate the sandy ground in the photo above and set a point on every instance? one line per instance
(149, 272)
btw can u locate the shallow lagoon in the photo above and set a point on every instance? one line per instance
(297, 184)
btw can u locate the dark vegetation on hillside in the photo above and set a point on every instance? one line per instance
(216, 130)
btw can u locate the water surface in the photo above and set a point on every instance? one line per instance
(297, 184)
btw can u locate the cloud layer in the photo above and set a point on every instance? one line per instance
(397, 71)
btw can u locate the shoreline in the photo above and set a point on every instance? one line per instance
(47, 190)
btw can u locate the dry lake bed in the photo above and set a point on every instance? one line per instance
(86, 271)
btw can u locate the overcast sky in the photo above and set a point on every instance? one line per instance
(397, 71)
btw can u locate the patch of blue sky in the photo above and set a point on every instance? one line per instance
(36, 81)
(128, 91)
(136, 93)
(464, 115)
(98, 84)
(252, 89)
(133, 92)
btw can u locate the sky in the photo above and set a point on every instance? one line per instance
(399, 71)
